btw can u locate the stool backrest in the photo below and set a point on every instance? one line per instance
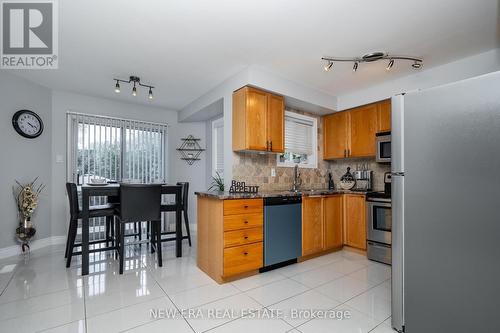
(73, 199)
(140, 202)
(185, 194)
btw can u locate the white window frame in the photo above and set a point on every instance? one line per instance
(313, 160)
(217, 123)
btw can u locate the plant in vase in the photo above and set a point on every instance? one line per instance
(26, 196)
(217, 183)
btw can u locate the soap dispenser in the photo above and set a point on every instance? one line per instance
(331, 186)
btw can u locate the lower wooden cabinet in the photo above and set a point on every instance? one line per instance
(331, 221)
(334, 217)
(312, 225)
(230, 237)
(355, 221)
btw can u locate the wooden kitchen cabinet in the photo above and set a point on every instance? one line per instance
(351, 133)
(384, 116)
(312, 225)
(355, 221)
(363, 126)
(335, 137)
(258, 121)
(333, 216)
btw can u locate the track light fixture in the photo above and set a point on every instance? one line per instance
(371, 57)
(390, 64)
(328, 66)
(137, 82)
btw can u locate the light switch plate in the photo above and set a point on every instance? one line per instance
(273, 172)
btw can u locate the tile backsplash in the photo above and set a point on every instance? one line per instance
(255, 169)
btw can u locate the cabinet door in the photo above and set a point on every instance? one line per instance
(335, 135)
(384, 116)
(363, 126)
(256, 119)
(312, 225)
(276, 123)
(355, 224)
(333, 220)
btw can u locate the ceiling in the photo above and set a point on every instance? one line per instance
(185, 48)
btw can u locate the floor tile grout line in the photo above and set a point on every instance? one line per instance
(382, 323)
(344, 303)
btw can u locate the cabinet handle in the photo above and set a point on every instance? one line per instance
(267, 144)
(345, 152)
(246, 206)
(246, 237)
(271, 145)
(245, 253)
(246, 222)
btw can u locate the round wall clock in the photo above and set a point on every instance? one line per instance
(27, 123)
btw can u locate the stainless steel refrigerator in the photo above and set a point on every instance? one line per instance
(446, 207)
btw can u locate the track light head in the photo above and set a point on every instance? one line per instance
(134, 91)
(417, 65)
(150, 94)
(390, 64)
(328, 66)
(355, 66)
(117, 87)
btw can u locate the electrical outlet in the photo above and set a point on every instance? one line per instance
(273, 172)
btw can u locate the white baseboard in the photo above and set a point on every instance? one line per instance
(15, 250)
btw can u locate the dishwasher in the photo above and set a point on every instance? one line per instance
(282, 231)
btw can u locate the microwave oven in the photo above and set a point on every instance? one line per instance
(383, 141)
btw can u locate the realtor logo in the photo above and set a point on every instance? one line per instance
(29, 34)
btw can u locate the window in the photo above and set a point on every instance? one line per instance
(218, 147)
(115, 149)
(301, 141)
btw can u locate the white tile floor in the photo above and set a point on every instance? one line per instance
(41, 295)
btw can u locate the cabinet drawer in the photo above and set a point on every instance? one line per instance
(244, 258)
(243, 206)
(243, 221)
(243, 236)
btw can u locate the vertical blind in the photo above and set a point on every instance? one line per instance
(298, 135)
(218, 147)
(116, 149)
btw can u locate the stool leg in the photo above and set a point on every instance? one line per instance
(122, 245)
(186, 222)
(158, 243)
(68, 239)
(152, 239)
(73, 229)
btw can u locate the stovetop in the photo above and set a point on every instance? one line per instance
(378, 195)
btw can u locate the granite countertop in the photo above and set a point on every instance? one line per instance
(270, 194)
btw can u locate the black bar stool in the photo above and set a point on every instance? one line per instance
(107, 211)
(139, 202)
(184, 208)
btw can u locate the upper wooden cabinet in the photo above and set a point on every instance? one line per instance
(363, 128)
(351, 133)
(336, 129)
(384, 116)
(258, 121)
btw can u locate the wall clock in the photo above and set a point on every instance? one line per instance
(27, 123)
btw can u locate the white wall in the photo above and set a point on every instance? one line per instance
(23, 159)
(476, 65)
(178, 170)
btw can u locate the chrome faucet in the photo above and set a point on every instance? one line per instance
(297, 181)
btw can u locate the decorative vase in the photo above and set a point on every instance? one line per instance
(25, 232)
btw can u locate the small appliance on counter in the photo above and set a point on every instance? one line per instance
(363, 179)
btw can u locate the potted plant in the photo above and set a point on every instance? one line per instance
(26, 197)
(217, 183)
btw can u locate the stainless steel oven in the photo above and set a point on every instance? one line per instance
(383, 141)
(379, 229)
